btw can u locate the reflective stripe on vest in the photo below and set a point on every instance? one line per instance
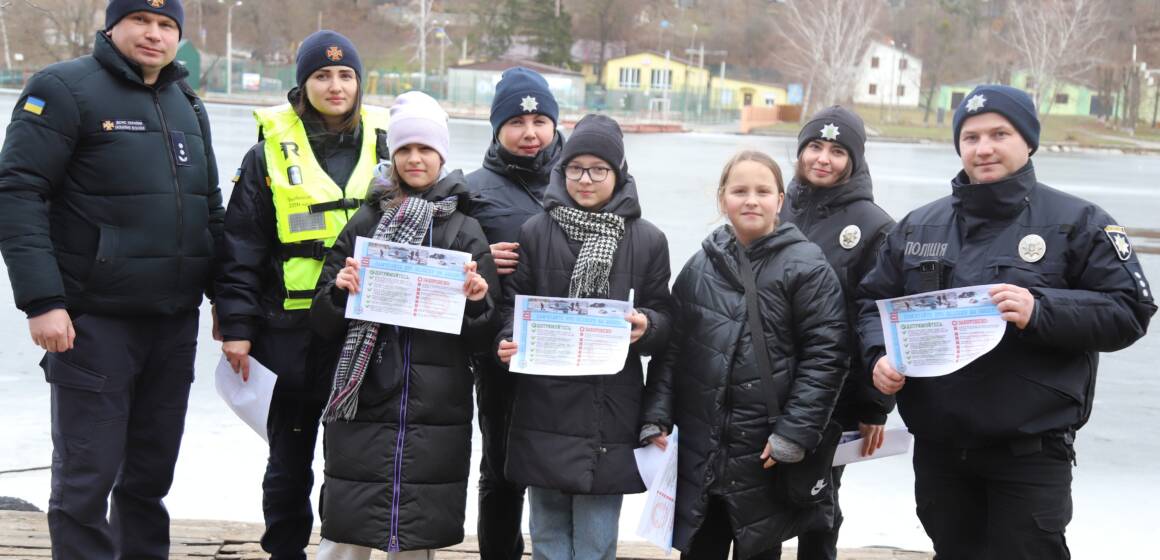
(308, 205)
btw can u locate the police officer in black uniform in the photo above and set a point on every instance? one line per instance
(110, 215)
(993, 441)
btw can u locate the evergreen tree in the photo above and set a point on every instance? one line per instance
(551, 36)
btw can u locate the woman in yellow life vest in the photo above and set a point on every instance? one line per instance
(296, 189)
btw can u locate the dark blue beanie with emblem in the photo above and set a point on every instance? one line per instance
(325, 48)
(521, 91)
(118, 9)
(1013, 103)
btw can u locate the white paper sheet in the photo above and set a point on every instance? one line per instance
(936, 333)
(658, 469)
(250, 400)
(570, 336)
(896, 442)
(409, 286)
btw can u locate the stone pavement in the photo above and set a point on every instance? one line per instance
(25, 535)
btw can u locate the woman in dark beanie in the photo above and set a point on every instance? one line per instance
(572, 438)
(831, 200)
(505, 192)
(398, 421)
(714, 383)
(295, 190)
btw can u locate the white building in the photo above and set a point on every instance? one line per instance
(888, 75)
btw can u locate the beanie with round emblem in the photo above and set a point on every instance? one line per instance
(325, 48)
(521, 91)
(118, 9)
(1013, 103)
(836, 124)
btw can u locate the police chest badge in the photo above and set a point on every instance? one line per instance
(1119, 238)
(1032, 248)
(850, 236)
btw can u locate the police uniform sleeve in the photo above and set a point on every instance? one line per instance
(882, 282)
(1109, 302)
(38, 145)
(249, 241)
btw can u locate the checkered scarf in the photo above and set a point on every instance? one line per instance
(599, 233)
(406, 223)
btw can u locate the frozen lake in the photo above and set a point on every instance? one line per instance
(221, 463)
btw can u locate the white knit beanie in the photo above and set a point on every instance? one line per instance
(416, 118)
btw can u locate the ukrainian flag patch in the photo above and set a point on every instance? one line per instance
(34, 105)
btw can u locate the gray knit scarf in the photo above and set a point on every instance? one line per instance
(599, 233)
(406, 223)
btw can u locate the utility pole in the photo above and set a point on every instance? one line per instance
(4, 31)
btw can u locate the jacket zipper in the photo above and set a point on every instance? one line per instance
(176, 187)
(400, 439)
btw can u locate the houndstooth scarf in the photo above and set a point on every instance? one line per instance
(406, 223)
(599, 233)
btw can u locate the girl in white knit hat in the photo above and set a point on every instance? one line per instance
(398, 422)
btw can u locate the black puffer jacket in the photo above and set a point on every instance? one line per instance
(576, 434)
(382, 485)
(707, 381)
(824, 215)
(109, 199)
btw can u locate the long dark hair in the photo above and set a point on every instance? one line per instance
(350, 121)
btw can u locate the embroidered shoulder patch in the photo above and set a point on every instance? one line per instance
(1119, 238)
(34, 105)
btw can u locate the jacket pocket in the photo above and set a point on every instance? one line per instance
(385, 371)
(108, 242)
(1014, 270)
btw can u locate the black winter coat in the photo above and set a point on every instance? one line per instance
(397, 472)
(1089, 298)
(823, 215)
(708, 385)
(576, 434)
(109, 199)
(250, 290)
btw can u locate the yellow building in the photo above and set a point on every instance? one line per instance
(650, 73)
(729, 94)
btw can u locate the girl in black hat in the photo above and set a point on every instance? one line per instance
(831, 200)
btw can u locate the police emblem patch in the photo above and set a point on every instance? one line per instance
(976, 102)
(1119, 238)
(334, 54)
(830, 132)
(1032, 248)
(850, 236)
(156, 3)
(529, 104)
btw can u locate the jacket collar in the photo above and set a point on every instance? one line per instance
(800, 197)
(116, 63)
(533, 172)
(722, 246)
(1003, 199)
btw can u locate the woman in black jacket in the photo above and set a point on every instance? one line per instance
(831, 199)
(571, 439)
(398, 423)
(709, 385)
(269, 270)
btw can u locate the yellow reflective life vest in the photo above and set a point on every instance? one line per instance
(310, 208)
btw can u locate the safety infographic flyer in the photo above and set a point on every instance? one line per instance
(570, 336)
(936, 333)
(409, 286)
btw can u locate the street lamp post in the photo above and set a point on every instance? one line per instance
(230, 43)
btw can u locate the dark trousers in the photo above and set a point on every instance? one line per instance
(501, 502)
(823, 545)
(714, 538)
(118, 412)
(1009, 501)
(292, 429)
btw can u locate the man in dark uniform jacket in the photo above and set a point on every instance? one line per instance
(993, 441)
(110, 215)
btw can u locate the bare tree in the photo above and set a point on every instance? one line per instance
(63, 29)
(824, 40)
(1057, 39)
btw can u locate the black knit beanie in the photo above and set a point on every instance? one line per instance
(325, 48)
(836, 124)
(521, 91)
(599, 136)
(118, 9)
(1013, 103)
